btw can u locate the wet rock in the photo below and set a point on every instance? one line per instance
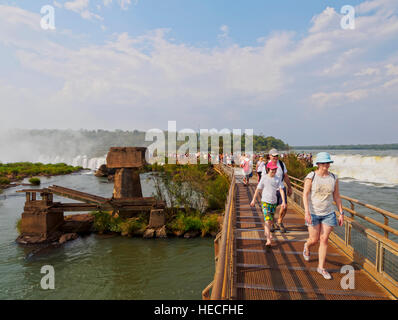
(67, 237)
(104, 171)
(149, 233)
(161, 233)
(191, 234)
(78, 223)
(27, 239)
(178, 233)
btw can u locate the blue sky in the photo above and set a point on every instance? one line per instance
(283, 68)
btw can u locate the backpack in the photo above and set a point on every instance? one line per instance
(313, 177)
(282, 166)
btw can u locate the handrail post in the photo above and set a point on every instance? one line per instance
(386, 220)
(353, 209)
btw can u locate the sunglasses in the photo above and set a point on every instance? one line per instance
(273, 169)
(275, 155)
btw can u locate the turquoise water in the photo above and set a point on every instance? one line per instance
(101, 267)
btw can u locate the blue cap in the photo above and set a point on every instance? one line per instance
(323, 157)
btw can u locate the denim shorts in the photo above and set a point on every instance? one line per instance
(330, 219)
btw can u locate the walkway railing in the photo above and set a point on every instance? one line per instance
(374, 252)
(223, 288)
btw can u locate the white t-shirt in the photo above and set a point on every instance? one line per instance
(279, 173)
(320, 200)
(269, 186)
(261, 166)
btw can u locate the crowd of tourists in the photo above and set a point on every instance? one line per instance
(321, 188)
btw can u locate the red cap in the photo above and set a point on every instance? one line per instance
(272, 165)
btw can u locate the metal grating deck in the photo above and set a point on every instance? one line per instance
(282, 272)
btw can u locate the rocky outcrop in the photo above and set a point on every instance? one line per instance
(191, 234)
(73, 226)
(161, 233)
(67, 237)
(78, 223)
(104, 171)
(155, 233)
(149, 233)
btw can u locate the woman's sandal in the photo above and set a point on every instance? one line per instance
(324, 273)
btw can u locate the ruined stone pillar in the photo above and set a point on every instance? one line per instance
(127, 184)
(126, 161)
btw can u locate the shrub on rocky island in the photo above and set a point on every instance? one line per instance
(35, 181)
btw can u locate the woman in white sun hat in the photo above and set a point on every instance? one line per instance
(321, 187)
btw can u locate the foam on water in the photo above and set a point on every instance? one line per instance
(377, 170)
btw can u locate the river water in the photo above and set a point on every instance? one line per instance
(101, 267)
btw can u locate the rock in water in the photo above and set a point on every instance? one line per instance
(104, 171)
(191, 234)
(78, 223)
(161, 233)
(67, 237)
(149, 233)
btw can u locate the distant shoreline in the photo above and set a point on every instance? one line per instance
(392, 146)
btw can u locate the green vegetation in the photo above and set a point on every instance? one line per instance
(180, 223)
(17, 171)
(104, 222)
(18, 225)
(192, 187)
(4, 181)
(261, 143)
(296, 167)
(35, 181)
(196, 194)
(194, 221)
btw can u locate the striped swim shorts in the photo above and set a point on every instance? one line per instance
(268, 210)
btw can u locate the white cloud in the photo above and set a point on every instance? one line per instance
(392, 70)
(368, 72)
(110, 84)
(124, 4)
(82, 7)
(324, 99)
(77, 5)
(323, 21)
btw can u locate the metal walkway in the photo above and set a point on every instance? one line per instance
(281, 272)
(247, 270)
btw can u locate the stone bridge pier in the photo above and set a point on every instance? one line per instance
(127, 162)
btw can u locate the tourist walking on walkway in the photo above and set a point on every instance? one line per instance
(320, 189)
(260, 167)
(247, 167)
(282, 175)
(268, 186)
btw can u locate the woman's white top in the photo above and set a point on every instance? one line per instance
(261, 166)
(321, 197)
